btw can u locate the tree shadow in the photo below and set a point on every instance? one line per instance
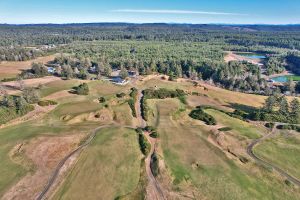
(242, 107)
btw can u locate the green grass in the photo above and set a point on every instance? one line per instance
(238, 126)
(294, 78)
(57, 86)
(198, 166)
(76, 108)
(10, 171)
(108, 168)
(283, 150)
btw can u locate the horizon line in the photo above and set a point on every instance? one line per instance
(141, 23)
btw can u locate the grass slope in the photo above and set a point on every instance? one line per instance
(282, 150)
(196, 165)
(108, 168)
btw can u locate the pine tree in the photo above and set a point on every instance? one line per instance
(295, 110)
(284, 106)
(270, 104)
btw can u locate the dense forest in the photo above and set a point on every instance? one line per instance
(177, 50)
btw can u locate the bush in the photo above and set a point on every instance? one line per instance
(131, 104)
(133, 93)
(270, 125)
(154, 134)
(31, 95)
(289, 127)
(199, 114)
(121, 95)
(154, 164)
(102, 100)
(225, 129)
(144, 144)
(82, 89)
(47, 103)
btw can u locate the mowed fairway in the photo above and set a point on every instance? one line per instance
(282, 150)
(108, 168)
(197, 167)
(12, 69)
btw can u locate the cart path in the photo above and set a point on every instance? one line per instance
(58, 168)
(266, 163)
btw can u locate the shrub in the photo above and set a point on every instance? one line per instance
(31, 95)
(144, 144)
(121, 95)
(225, 129)
(102, 100)
(154, 164)
(199, 114)
(154, 134)
(82, 89)
(47, 103)
(131, 104)
(270, 125)
(133, 93)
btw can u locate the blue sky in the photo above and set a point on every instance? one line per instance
(141, 11)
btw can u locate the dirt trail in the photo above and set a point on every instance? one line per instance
(266, 163)
(62, 163)
(154, 191)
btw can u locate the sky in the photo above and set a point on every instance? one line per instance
(150, 11)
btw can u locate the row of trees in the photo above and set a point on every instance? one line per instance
(277, 108)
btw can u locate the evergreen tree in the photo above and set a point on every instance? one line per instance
(270, 104)
(295, 110)
(284, 106)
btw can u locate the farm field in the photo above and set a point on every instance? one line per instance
(200, 168)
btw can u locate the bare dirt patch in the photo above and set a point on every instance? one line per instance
(45, 153)
(11, 69)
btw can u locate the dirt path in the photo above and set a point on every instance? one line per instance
(154, 191)
(266, 163)
(61, 164)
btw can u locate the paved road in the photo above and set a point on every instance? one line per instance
(266, 163)
(55, 174)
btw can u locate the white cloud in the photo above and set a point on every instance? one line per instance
(175, 12)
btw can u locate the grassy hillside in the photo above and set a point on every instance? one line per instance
(108, 168)
(282, 150)
(197, 165)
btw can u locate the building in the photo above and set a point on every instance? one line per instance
(51, 70)
(119, 81)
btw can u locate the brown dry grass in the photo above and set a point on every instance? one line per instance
(11, 69)
(45, 153)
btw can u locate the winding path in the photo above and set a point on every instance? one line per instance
(266, 163)
(56, 172)
(154, 191)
